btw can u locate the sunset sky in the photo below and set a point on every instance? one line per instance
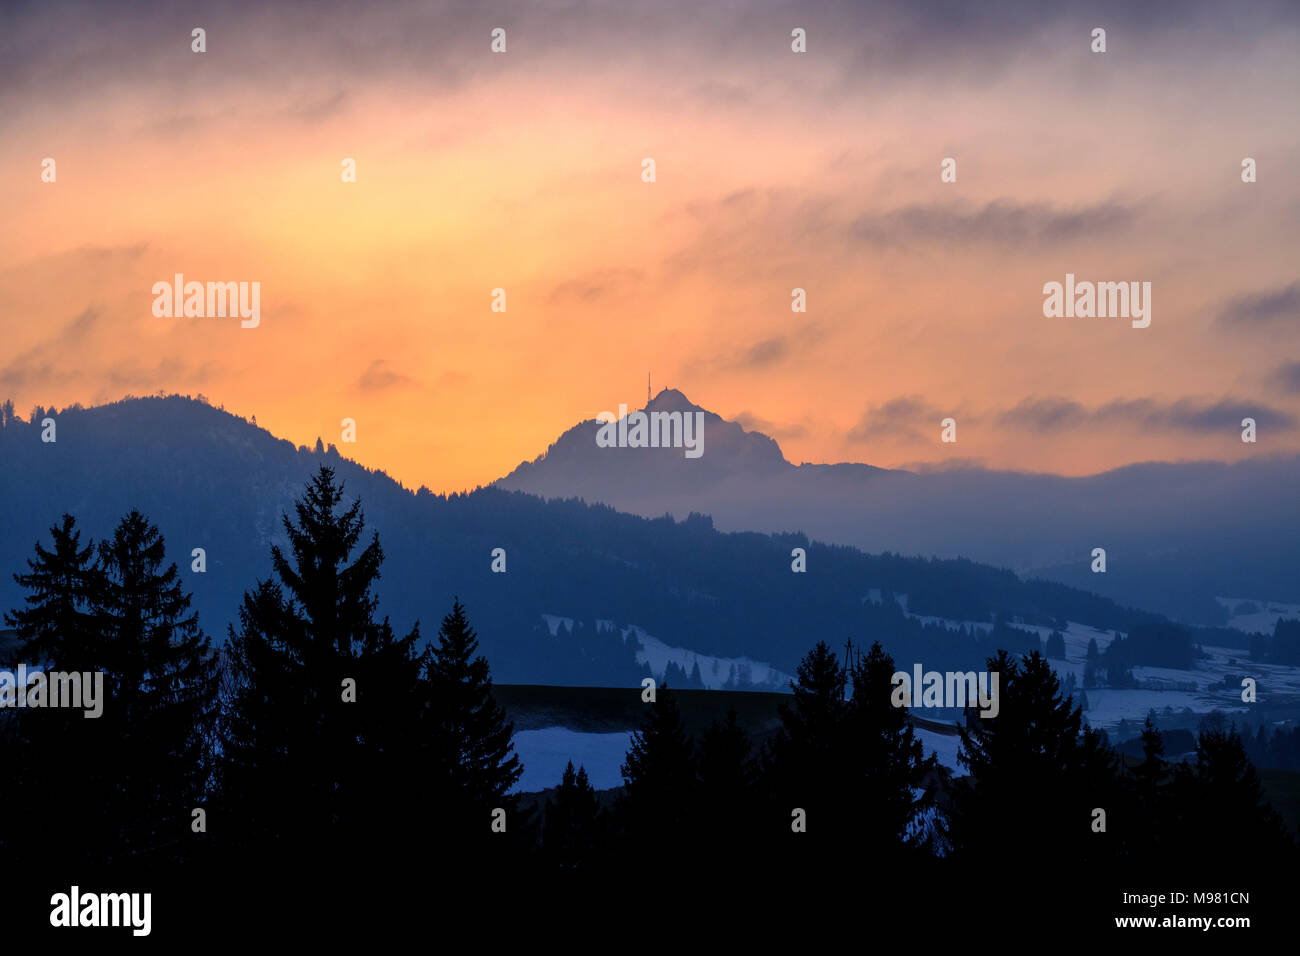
(775, 170)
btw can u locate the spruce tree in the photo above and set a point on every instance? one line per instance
(889, 802)
(472, 732)
(60, 789)
(658, 805)
(573, 822)
(1152, 767)
(1225, 811)
(805, 759)
(59, 624)
(729, 807)
(163, 678)
(1033, 770)
(1155, 822)
(320, 732)
(696, 678)
(468, 756)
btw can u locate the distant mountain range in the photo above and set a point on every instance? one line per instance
(213, 480)
(1176, 535)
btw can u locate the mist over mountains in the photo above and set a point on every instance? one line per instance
(213, 480)
(1176, 534)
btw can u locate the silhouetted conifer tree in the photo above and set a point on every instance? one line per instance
(1154, 824)
(730, 811)
(472, 758)
(659, 803)
(163, 681)
(59, 795)
(1036, 775)
(572, 827)
(1227, 818)
(304, 766)
(808, 762)
(891, 769)
(59, 623)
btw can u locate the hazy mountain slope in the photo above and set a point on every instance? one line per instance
(1176, 535)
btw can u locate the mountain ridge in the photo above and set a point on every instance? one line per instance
(1177, 534)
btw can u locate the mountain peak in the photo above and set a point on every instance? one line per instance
(577, 465)
(671, 400)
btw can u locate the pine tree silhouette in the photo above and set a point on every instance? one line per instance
(658, 805)
(891, 769)
(163, 678)
(1225, 811)
(573, 822)
(805, 762)
(730, 809)
(59, 624)
(473, 755)
(1155, 826)
(60, 785)
(303, 766)
(1034, 769)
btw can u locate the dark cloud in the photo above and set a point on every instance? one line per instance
(80, 259)
(178, 124)
(169, 372)
(594, 285)
(38, 364)
(81, 325)
(908, 417)
(753, 423)
(1002, 221)
(28, 370)
(763, 354)
(1194, 415)
(1263, 308)
(772, 226)
(443, 44)
(318, 108)
(1041, 414)
(1184, 414)
(378, 376)
(1287, 377)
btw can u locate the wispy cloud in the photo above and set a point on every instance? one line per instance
(1183, 414)
(1287, 377)
(765, 353)
(595, 285)
(899, 419)
(1265, 308)
(751, 422)
(379, 376)
(1002, 222)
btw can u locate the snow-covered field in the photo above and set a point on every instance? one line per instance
(714, 671)
(1106, 708)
